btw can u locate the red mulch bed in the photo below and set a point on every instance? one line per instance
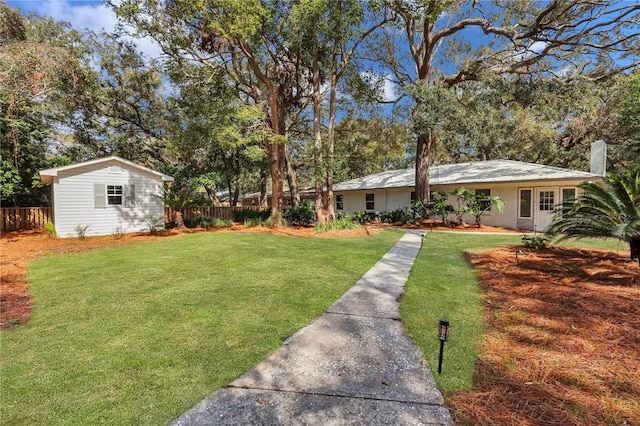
(563, 345)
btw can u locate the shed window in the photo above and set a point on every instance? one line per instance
(114, 195)
(370, 202)
(339, 202)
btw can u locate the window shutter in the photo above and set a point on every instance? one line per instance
(130, 200)
(99, 196)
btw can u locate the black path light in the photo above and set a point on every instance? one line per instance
(443, 334)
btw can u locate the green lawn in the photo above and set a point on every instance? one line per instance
(443, 284)
(138, 334)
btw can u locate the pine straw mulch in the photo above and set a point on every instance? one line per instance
(563, 340)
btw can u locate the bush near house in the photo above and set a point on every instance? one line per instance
(242, 215)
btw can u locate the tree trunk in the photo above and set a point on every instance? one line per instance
(277, 178)
(321, 213)
(292, 180)
(423, 158)
(215, 202)
(263, 189)
(177, 215)
(634, 245)
(275, 156)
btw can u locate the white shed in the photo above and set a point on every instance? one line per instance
(106, 195)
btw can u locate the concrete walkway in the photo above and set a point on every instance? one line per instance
(351, 366)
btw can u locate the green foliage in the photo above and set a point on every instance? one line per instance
(365, 146)
(81, 231)
(118, 232)
(609, 210)
(51, 230)
(341, 223)
(244, 214)
(536, 242)
(438, 205)
(401, 216)
(303, 214)
(153, 223)
(481, 203)
(207, 222)
(462, 198)
(629, 106)
(256, 221)
(363, 216)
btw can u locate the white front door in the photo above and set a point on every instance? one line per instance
(545, 201)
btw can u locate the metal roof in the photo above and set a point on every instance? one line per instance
(492, 171)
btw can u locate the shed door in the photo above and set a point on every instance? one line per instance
(546, 200)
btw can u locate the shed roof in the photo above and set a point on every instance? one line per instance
(47, 175)
(492, 171)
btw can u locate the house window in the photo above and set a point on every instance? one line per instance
(568, 194)
(413, 196)
(484, 204)
(525, 203)
(339, 202)
(369, 201)
(114, 195)
(547, 200)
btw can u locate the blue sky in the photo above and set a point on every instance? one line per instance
(91, 14)
(82, 14)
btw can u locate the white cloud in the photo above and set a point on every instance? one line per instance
(90, 14)
(533, 49)
(385, 87)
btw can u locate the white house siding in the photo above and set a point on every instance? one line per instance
(394, 198)
(74, 199)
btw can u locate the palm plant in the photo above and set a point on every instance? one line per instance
(611, 210)
(178, 198)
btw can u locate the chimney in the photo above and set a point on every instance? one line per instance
(599, 158)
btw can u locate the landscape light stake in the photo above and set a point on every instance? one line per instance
(443, 332)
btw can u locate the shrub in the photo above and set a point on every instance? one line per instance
(401, 215)
(154, 223)
(303, 214)
(536, 242)
(244, 214)
(51, 230)
(118, 232)
(256, 221)
(344, 222)
(216, 222)
(439, 207)
(363, 216)
(81, 232)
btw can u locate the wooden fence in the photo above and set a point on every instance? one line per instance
(17, 218)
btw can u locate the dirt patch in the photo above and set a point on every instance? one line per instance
(18, 248)
(563, 340)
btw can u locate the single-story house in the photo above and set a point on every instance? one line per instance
(531, 191)
(106, 195)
